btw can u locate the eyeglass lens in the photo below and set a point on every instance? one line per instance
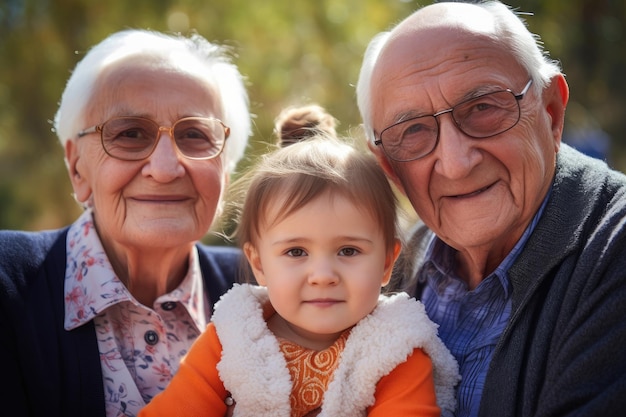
(480, 117)
(134, 138)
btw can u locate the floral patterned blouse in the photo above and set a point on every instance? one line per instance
(140, 347)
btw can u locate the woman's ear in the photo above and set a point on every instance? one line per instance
(255, 262)
(392, 256)
(80, 184)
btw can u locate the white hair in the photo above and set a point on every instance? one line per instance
(510, 30)
(213, 63)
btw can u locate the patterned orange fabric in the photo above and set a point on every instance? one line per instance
(311, 372)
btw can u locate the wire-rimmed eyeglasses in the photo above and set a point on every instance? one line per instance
(131, 138)
(479, 117)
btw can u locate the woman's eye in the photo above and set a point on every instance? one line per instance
(296, 252)
(193, 134)
(132, 134)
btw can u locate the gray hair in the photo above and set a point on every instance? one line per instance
(511, 31)
(214, 64)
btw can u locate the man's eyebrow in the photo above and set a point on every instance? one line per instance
(410, 114)
(471, 94)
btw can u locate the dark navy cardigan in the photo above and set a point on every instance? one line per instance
(47, 370)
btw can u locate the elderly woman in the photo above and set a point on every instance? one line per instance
(94, 318)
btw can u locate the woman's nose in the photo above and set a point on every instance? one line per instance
(164, 164)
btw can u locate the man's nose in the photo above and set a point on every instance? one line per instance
(456, 152)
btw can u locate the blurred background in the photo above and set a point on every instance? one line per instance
(291, 52)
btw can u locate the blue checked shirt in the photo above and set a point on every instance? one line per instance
(470, 322)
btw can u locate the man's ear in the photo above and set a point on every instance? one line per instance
(384, 163)
(391, 259)
(555, 97)
(255, 262)
(75, 168)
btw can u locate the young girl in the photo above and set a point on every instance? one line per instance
(315, 337)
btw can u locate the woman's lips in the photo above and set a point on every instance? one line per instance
(160, 198)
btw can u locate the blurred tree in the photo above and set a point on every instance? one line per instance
(291, 52)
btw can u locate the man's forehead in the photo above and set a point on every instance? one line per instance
(432, 29)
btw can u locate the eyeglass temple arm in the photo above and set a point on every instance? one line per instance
(86, 132)
(524, 91)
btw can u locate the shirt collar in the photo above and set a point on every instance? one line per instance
(91, 286)
(443, 257)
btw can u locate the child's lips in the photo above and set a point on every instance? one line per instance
(323, 302)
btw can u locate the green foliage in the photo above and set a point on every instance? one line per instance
(291, 52)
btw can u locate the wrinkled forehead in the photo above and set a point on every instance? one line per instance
(118, 78)
(440, 49)
(174, 64)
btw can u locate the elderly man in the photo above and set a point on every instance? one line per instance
(521, 255)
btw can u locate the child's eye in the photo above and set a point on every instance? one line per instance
(296, 252)
(348, 252)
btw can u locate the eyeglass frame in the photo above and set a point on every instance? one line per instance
(99, 128)
(518, 97)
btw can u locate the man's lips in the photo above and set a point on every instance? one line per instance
(473, 193)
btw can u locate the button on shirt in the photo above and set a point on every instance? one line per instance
(470, 322)
(140, 347)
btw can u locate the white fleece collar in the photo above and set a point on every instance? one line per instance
(255, 372)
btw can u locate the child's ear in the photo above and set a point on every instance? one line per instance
(392, 256)
(255, 262)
